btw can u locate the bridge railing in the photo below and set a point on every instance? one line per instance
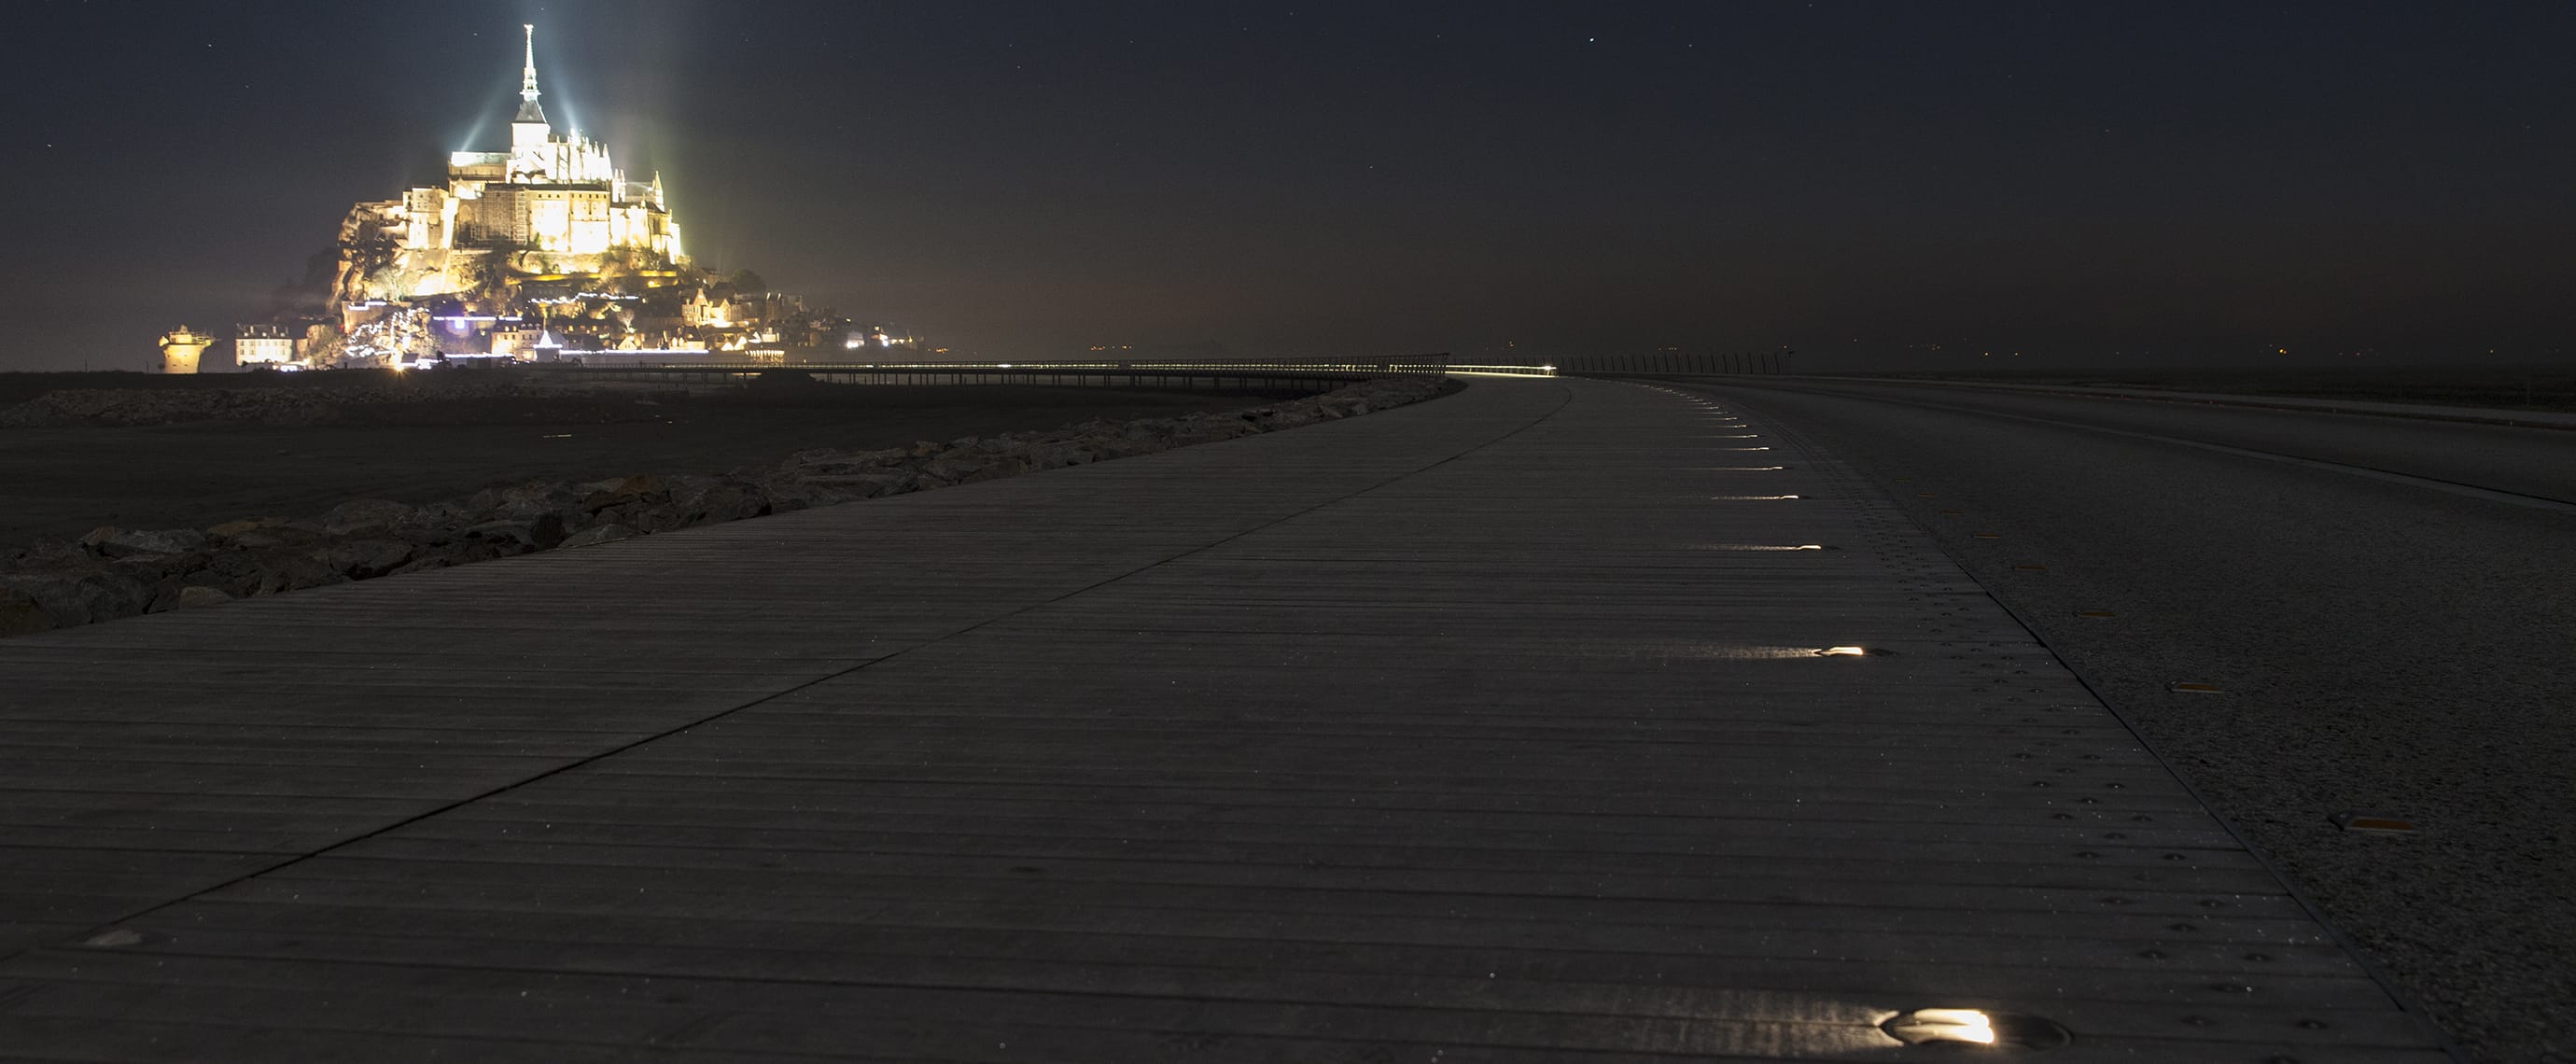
(1681, 363)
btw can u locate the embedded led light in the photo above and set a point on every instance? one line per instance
(1750, 498)
(1842, 652)
(1753, 653)
(1961, 1029)
(1942, 1025)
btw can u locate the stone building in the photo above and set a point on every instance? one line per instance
(552, 203)
(269, 344)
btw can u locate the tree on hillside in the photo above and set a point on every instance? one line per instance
(486, 277)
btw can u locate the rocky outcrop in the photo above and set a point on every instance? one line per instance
(115, 572)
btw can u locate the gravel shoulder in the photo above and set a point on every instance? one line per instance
(2376, 647)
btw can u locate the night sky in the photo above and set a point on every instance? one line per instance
(2090, 185)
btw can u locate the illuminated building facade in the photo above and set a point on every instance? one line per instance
(268, 344)
(553, 202)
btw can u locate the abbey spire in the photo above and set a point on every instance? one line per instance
(528, 109)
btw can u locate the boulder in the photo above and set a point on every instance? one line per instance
(785, 494)
(295, 573)
(447, 513)
(1130, 446)
(114, 595)
(232, 586)
(49, 593)
(598, 534)
(21, 614)
(863, 485)
(85, 598)
(1003, 465)
(698, 500)
(48, 550)
(518, 537)
(95, 540)
(153, 567)
(883, 457)
(952, 470)
(276, 536)
(616, 491)
(631, 514)
(427, 536)
(1059, 455)
(658, 517)
(243, 573)
(855, 462)
(524, 502)
(197, 595)
(359, 559)
(547, 529)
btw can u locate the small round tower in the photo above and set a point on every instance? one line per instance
(180, 348)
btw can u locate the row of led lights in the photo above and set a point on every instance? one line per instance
(1736, 422)
(1934, 1026)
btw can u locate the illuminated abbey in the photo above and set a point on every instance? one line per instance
(552, 203)
(541, 253)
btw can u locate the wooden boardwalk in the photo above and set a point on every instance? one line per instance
(1484, 730)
